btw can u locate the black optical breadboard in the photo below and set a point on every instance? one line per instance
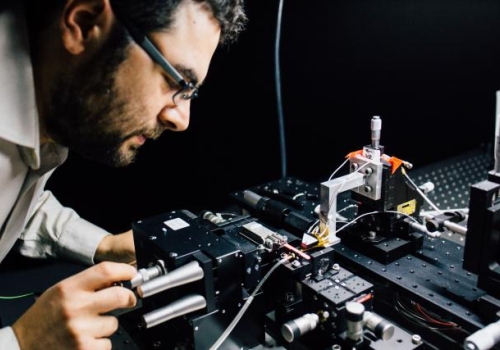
(453, 177)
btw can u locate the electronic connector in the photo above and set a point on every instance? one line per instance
(260, 234)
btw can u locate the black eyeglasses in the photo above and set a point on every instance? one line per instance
(188, 90)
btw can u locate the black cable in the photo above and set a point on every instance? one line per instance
(278, 93)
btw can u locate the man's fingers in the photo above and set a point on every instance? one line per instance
(103, 326)
(98, 281)
(102, 344)
(112, 298)
(103, 275)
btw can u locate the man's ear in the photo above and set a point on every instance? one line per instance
(85, 24)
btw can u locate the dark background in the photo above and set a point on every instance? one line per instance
(429, 69)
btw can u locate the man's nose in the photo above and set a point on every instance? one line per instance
(176, 117)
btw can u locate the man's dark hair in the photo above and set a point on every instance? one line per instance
(151, 15)
(157, 15)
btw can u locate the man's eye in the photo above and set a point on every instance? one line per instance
(170, 82)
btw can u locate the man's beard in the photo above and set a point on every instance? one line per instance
(86, 113)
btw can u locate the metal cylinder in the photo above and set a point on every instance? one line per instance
(484, 339)
(180, 307)
(382, 328)
(298, 327)
(145, 275)
(376, 126)
(185, 274)
(354, 317)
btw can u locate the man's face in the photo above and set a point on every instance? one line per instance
(120, 97)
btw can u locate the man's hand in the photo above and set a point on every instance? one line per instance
(119, 248)
(72, 313)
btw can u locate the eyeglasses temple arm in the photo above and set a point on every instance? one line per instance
(147, 45)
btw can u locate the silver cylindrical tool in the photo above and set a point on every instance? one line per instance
(485, 338)
(376, 127)
(180, 307)
(295, 328)
(182, 275)
(427, 187)
(382, 328)
(354, 317)
(145, 275)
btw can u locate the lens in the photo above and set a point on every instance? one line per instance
(187, 93)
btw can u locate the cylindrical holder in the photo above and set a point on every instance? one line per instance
(484, 339)
(180, 307)
(382, 328)
(427, 187)
(354, 317)
(145, 275)
(376, 126)
(182, 275)
(295, 328)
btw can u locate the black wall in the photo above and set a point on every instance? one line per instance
(429, 68)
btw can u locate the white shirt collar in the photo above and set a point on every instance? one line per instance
(18, 113)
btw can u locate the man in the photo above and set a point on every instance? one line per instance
(99, 77)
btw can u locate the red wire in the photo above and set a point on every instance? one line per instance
(430, 318)
(295, 250)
